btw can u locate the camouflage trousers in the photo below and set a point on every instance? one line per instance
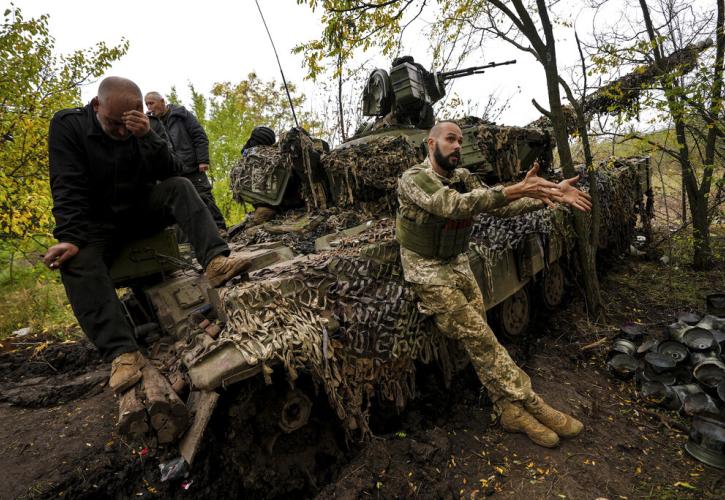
(459, 314)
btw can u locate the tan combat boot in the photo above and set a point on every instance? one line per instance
(126, 371)
(515, 419)
(564, 425)
(221, 269)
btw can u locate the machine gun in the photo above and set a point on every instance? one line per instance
(406, 95)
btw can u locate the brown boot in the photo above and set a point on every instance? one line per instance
(564, 425)
(126, 371)
(221, 269)
(515, 419)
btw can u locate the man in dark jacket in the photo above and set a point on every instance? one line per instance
(191, 146)
(113, 177)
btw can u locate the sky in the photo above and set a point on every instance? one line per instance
(174, 43)
(181, 42)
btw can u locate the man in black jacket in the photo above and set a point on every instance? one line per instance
(191, 146)
(113, 177)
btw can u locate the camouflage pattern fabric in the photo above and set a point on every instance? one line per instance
(370, 170)
(303, 151)
(350, 322)
(447, 289)
(457, 312)
(500, 146)
(419, 201)
(259, 172)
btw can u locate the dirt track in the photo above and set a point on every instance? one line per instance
(58, 437)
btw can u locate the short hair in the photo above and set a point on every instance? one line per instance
(118, 86)
(436, 129)
(155, 95)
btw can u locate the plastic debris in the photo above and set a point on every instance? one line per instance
(174, 469)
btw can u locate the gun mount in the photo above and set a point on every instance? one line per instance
(409, 91)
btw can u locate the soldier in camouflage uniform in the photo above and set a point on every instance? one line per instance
(436, 204)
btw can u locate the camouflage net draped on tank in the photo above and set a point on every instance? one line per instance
(350, 322)
(346, 316)
(262, 170)
(619, 195)
(264, 174)
(499, 146)
(370, 170)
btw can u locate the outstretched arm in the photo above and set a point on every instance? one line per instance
(533, 186)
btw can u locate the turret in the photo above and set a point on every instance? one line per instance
(406, 95)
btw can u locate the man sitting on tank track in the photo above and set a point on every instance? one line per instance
(433, 226)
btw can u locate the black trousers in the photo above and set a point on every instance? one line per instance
(86, 277)
(203, 187)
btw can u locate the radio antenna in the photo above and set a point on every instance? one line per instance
(286, 88)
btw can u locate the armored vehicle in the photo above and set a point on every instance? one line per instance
(324, 313)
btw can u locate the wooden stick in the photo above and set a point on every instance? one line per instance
(132, 419)
(168, 414)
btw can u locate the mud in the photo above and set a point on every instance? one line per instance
(58, 437)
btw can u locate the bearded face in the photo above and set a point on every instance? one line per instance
(449, 162)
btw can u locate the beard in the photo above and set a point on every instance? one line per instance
(447, 163)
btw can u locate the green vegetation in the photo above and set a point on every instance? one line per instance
(32, 295)
(34, 84)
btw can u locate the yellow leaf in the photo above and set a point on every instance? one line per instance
(682, 484)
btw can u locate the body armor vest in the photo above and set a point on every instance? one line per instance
(438, 238)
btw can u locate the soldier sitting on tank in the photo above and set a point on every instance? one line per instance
(436, 204)
(264, 136)
(113, 178)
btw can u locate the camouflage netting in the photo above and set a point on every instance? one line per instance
(268, 174)
(260, 171)
(619, 193)
(299, 229)
(304, 152)
(619, 196)
(494, 236)
(370, 170)
(346, 317)
(350, 322)
(499, 145)
(544, 122)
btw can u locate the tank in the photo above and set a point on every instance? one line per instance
(323, 316)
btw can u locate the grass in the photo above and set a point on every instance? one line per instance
(32, 296)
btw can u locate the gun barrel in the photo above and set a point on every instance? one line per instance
(473, 70)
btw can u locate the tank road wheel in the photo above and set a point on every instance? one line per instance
(513, 315)
(552, 286)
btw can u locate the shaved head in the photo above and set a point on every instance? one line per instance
(441, 127)
(444, 146)
(116, 96)
(120, 89)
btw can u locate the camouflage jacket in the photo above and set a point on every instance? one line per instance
(415, 203)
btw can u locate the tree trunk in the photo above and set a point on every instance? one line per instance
(587, 252)
(702, 256)
(693, 194)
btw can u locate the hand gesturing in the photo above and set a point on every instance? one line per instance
(572, 196)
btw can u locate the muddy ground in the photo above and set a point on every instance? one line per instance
(57, 436)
